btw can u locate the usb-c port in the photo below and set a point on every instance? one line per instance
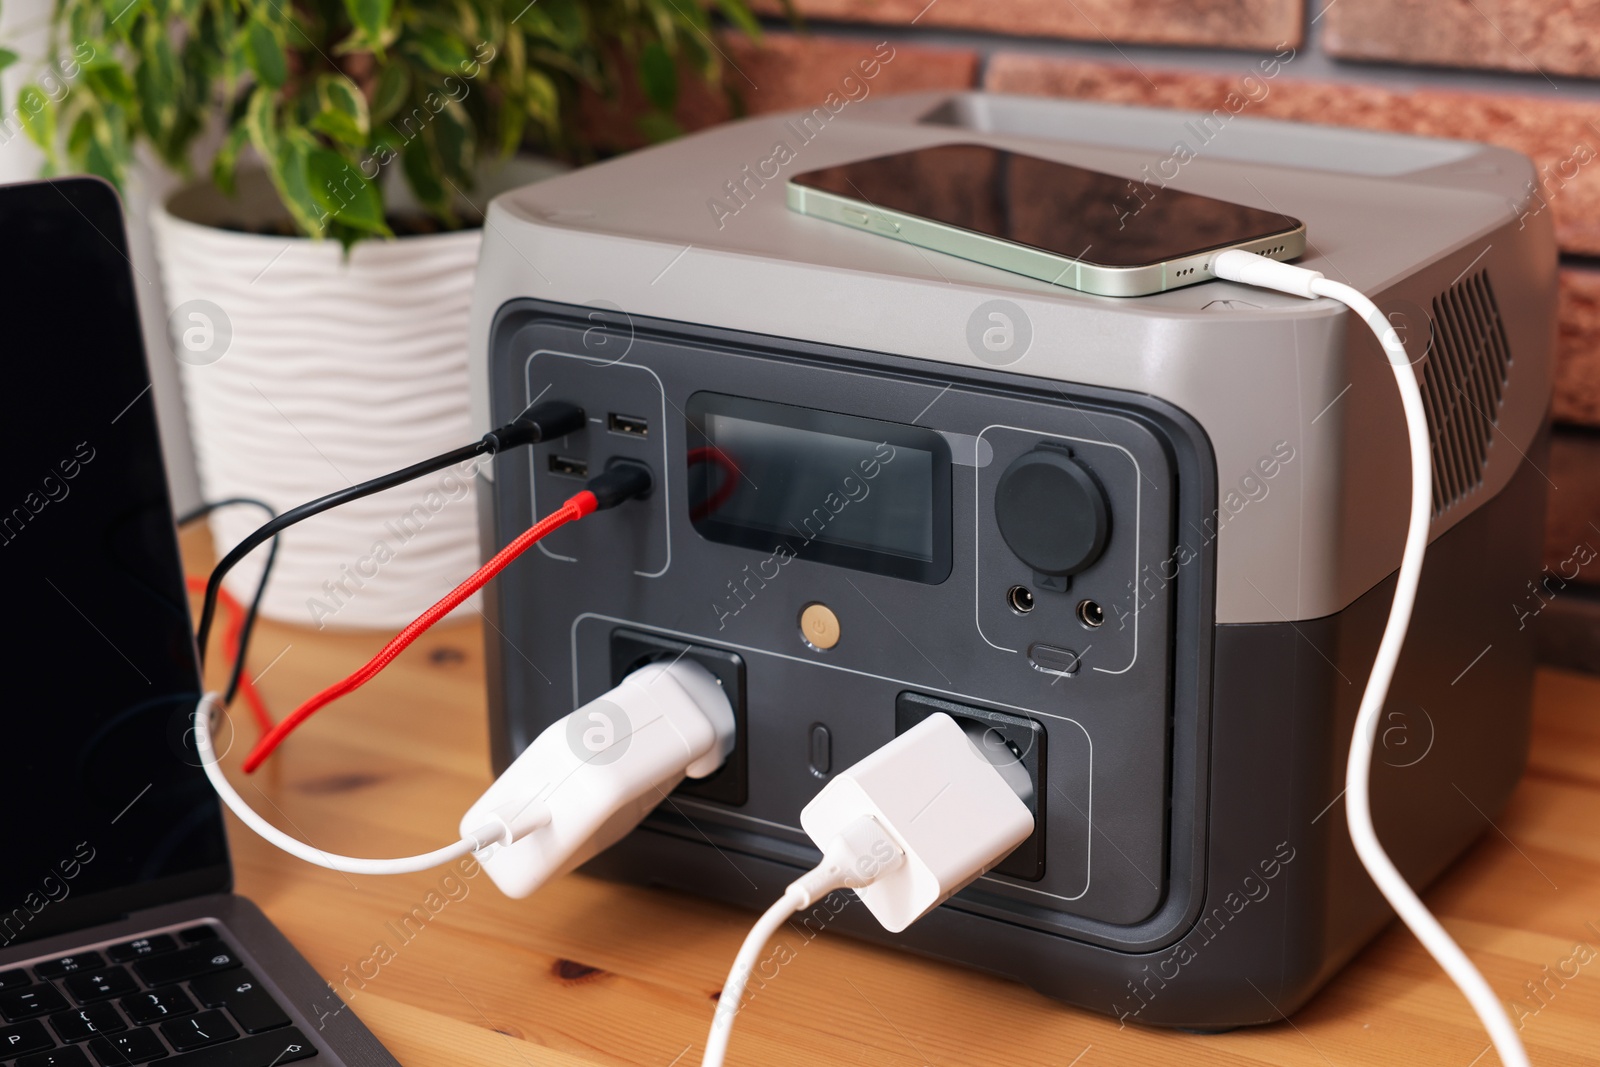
(630, 425)
(568, 467)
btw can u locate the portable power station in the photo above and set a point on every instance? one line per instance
(1151, 541)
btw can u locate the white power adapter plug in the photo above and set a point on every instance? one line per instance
(941, 800)
(593, 776)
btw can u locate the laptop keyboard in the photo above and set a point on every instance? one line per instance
(181, 997)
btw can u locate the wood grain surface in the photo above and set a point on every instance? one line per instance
(589, 972)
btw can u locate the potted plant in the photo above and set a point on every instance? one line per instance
(318, 274)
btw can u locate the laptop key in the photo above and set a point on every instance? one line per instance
(119, 1050)
(262, 1050)
(80, 1025)
(198, 1031)
(31, 1001)
(186, 963)
(14, 979)
(66, 965)
(153, 1005)
(24, 1037)
(87, 987)
(71, 1056)
(251, 1006)
(203, 932)
(139, 948)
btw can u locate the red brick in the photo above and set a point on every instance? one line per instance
(1577, 397)
(785, 71)
(1547, 36)
(1549, 131)
(1230, 23)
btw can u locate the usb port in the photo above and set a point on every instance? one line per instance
(568, 467)
(628, 424)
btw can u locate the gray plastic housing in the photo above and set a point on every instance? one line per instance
(1189, 748)
(1402, 219)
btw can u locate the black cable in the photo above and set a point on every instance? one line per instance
(553, 418)
(236, 676)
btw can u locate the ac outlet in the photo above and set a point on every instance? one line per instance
(632, 649)
(1026, 740)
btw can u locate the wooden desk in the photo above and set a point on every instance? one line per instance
(587, 972)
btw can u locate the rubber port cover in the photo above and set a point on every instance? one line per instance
(1052, 512)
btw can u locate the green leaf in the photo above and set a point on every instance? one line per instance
(371, 19)
(79, 136)
(97, 160)
(422, 174)
(341, 111)
(658, 126)
(466, 24)
(225, 164)
(454, 143)
(543, 101)
(513, 121)
(339, 126)
(157, 81)
(535, 22)
(344, 193)
(264, 51)
(512, 58)
(287, 168)
(439, 51)
(104, 144)
(659, 76)
(261, 119)
(569, 20)
(7, 57)
(390, 92)
(40, 122)
(738, 13)
(337, 93)
(110, 82)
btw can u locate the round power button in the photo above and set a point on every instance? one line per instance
(819, 626)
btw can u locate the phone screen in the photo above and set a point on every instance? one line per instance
(1055, 207)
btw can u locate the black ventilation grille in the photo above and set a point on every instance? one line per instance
(1463, 383)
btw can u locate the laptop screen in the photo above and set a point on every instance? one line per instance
(105, 807)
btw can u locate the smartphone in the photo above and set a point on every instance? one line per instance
(1098, 233)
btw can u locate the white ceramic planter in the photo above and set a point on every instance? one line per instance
(304, 372)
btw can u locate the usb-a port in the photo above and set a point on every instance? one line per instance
(631, 425)
(568, 467)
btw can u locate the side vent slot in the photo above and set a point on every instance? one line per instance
(1464, 377)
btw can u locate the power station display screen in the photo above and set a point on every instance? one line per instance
(819, 485)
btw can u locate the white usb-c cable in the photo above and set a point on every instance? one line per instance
(854, 858)
(1247, 267)
(211, 704)
(906, 828)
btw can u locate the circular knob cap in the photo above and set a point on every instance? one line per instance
(1052, 512)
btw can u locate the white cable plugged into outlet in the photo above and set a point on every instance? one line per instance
(584, 782)
(906, 828)
(1247, 267)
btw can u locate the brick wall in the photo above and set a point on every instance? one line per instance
(1520, 73)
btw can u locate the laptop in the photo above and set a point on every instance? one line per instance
(120, 941)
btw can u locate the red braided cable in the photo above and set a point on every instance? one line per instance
(575, 508)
